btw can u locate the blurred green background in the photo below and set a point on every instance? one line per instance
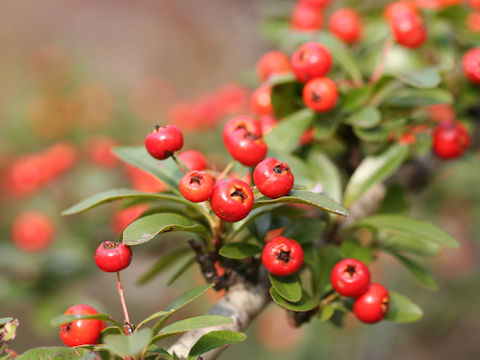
(93, 73)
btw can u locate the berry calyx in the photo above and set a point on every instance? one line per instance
(273, 178)
(306, 17)
(81, 332)
(261, 100)
(311, 60)
(272, 63)
(232, 200)
(471, 64)
(372, 305)
(450, 139)
(193, 160)
(113, 256)
(196, 186)
(346, 25)
(320, 94)
(282, 256)
(32, 231)
(350, 277)
(163, 141)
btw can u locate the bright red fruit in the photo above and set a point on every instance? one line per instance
(122, 218)
(32, 231)
(194, 160)
(113, 256)
(372, 305)
(473, 22)
(399, 8)
(273, 178)
(471, 64)
(346, 25)
(307, 18)
(408, 29)
(475, 4)
(320, 94)
(311, 60)
(232, 200)
(197, 186)
(272, 63)
(350, 277)
(81, 332)
(242, 137)
(163, 141)
(450, 139)
(261, 100)
(318, 3)
(282, 256)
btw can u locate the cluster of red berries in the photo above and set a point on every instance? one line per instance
(231, 199)
(351, 277)
(406, 24)
(29, 173)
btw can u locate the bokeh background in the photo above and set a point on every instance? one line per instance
(78, 77)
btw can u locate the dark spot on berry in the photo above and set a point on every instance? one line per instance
(251, 136)
(195, 179)
(385, 303)
(280, 168)
(316, 97)
(167, 154)
(284, 256)
(67, 327)
(303, 55)
(240, 193)
(351, 270)
(107, 245)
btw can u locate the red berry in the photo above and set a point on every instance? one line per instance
(320, 94)
(350, 277)
(372, 305)
(346, 25)
(242, 137)
(32, 231)
(121, 219)
(408, 29)
(307, 137)
(311, 60)
(400, 8)
(282, 256)
(267, 123)
(273, 178)
(232, 200)
(473, 22)
(272, 63)
(163, 141)
(197, 186)
(261, 100)
(450, 139)
(407, 139)
(318, 3)
(113, 256)
(194, 160)
(471, 64)
(307, 18)
(99, 150)
(81, 332)
(475, 4)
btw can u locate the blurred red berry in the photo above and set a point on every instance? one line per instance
(32, 231)
(346, 25)
(144, 181)
(320, 94)
(408, 29)
(261, 100)
(450, 139)
(318, 3)
(311, 60)
(473, 21)
(272, 63)
(307, 18)
(267, 123)
(399, 8)
(471, 64)
(122, 218)
(194, 160)
(99, 151)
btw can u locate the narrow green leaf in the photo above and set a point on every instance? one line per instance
(150, 318)
(195, 323)
(56, 353)
(424, 79)
(189, 261)
(394, 201)
(328, 256)
(146, 228)
(418, 271)
(288, 287)
(352, 249)
(162, 264)
(239, 250)
(419, 97)
(411, 227)
(129, 345)
(305, 197)
(325, 172)
(305, 231)
(117, 194)
(65, 319)
(285, 136)
(373, 170)
(214, 340)
(282, 79)
(306, 303)
(326, 312)
(189, 296)
(356, 98)
(402, 310)
(410, 244)
(366, 118)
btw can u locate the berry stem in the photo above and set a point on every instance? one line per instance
(122, 300)
(378, 72)
(226, 170)
(329, 299)
(184, 171)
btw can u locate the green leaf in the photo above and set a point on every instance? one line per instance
(65, 319)
(410, 244)
(376, 134)
(129, 345)
(162, 264)
(195, 323)
(411, 227)
(305, 197)
(418, 271)
(402, 310)
(419, 97)
(394, 201)
(306, 303)
(325, 126)
(352, 249)
(151, 317)
(373, 170)
(189, 261)
(366, 118)
(285, 136)
(287, 78)
(117, 194)
(326, 312)
(146, 228)
(329, 255)
(189, 296)
(239, 250)
(214, 340)
(305, 230)
(356, 98)
(288, 287)
(166, 170)
(5, 320)
(423, 79)
(56, 353)
(325, 172)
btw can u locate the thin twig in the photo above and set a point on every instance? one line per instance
(378, 72)
(179, 164)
